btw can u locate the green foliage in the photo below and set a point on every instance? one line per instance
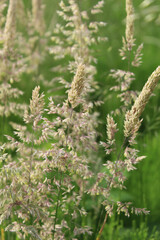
(75, 169)
(116, 231)
(144, 185)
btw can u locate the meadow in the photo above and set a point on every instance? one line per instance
(79, 120)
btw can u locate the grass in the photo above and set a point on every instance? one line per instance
(143, 185)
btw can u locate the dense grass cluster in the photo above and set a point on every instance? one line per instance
(61, 176)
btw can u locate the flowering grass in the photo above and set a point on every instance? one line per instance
(54, 182)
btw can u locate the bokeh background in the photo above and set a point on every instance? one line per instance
(143, 185)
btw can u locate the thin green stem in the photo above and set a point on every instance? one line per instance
(60, 183)
(121, 149)
(101, 230)
(58, 203)
(105, 219)
(31, 159)
(129, 60)
(3, 127)
(99, 220)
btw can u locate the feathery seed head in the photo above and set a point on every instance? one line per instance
(36, 107)
(111, 128)
(77, 85)
(132, 122)
(37, 102)
(130, 24)
(37, 11)
(98, 7)
(10, 26)
(76, 14)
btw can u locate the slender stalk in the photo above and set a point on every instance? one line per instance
(98, 220)
(3, 126)
(121, 149)
(105, 219)
(57, 206)
(60, 187)
(31, 159)
(101, 230)
(129, 60)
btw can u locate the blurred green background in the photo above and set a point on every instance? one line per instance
(143, 185)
